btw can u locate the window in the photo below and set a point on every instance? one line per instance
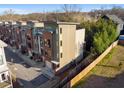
(45, 42)
(46, 54)
(41, 51)
(48, 42)
(1, 60)
(61, 43)
(60, 30)
(3, 76)
(61, 55)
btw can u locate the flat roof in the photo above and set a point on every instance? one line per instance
(23, 23)
(33, 21)
(6, 22)
(2, 44)
(58, 22)
(13, 22)
(70, 23)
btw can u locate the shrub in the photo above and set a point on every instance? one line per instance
(106, 33)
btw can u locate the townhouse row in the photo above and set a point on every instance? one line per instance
(54, 43)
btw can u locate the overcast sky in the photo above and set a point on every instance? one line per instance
(35, 8)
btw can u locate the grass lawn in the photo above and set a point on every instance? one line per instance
(108, 73)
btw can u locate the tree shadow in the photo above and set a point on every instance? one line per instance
(95, 81)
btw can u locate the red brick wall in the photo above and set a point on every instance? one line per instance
(31, 36)
(46, 36)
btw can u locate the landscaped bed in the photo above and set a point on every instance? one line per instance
(108, 73)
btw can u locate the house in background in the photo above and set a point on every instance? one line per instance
(120, 26)
(5, 28)
(34, 34)
(15, 34)
(34, 38)
(22, 25)
(119, 22)
(1, 30)
(5, 77)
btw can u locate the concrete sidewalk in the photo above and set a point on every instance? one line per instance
(26, 58)
(38, 65)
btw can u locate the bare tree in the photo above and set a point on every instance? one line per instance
(9, 14)
(10, 11)
(71, 8)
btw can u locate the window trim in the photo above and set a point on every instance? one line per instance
(61, 55)
(60, 42)
(60, 30)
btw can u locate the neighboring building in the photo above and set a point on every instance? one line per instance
(5, 31)
(5, 77)
(1, 30)
(54, 43)
(119, 22)
(121, 40)
(1, 23)
(35, 34)
(22, 25)
(15, 34)
(62, 43)
(6, 22)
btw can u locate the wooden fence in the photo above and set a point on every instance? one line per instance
(92, 65)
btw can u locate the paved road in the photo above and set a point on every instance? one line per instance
(29, 76)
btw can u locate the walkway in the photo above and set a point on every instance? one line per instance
(29, 76)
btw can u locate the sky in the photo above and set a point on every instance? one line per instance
(37, 8)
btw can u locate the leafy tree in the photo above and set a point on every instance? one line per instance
(106, 33)
(99, 35)
(90, 31)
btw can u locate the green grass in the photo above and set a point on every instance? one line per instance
(111, 65)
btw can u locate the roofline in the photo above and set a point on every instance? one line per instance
(108, 15)
(21, 23)
(33, 21)
(80, 29)
(58, 22)
(71, 23)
